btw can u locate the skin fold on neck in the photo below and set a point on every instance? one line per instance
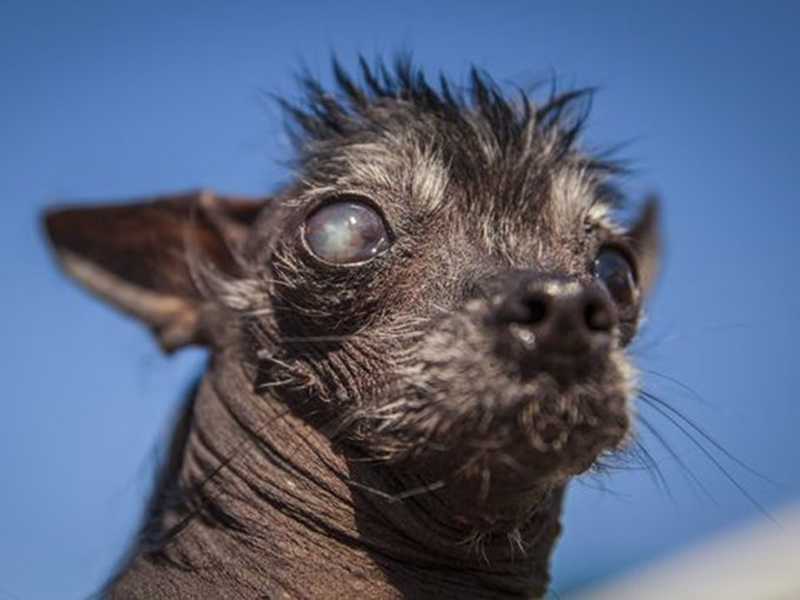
(267, 506)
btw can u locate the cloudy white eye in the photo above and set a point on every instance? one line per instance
(613, 268)
(345, 232)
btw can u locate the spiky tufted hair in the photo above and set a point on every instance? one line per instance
(512, 126)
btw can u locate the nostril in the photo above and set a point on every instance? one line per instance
(598, 316)
(536, 308)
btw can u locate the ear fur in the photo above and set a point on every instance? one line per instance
(645, 238)
(138, 255)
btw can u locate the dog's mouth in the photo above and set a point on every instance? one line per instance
(493, 458)
(522, 430)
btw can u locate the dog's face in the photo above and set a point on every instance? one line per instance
(443, 282)
(447, 284)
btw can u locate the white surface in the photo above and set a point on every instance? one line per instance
(760, 561)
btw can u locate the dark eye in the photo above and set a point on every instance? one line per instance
(345, 232)
(614, 269)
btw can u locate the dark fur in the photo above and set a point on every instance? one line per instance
(361, 431)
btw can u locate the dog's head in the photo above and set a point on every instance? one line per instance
(442, 286)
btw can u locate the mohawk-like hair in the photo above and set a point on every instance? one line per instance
(353, 106)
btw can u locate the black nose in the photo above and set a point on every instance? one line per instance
(555, 321)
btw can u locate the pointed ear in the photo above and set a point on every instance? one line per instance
(645, 238)
(140, 256)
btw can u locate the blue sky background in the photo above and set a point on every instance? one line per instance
(111, 100)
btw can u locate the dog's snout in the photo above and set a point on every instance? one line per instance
(552, 319)
(551, 307)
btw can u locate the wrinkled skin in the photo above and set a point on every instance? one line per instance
(403, 426)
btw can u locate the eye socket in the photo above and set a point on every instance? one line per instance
(346, 232)
(614, 269)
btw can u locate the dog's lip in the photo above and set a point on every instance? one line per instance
(563, 367)
(564, 356)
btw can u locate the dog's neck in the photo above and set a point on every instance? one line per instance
(267, 506)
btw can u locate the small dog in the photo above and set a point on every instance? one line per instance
(414, 346)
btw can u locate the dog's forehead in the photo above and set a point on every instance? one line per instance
(501, 200)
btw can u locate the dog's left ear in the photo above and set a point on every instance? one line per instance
(142, 256)
(645, 238)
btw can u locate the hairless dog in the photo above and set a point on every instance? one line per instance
(414, 346)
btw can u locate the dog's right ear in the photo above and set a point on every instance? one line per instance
(645, 237)
(137, 255)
